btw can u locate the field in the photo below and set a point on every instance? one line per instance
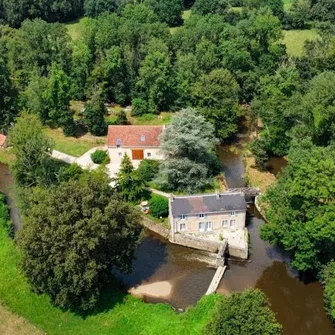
(117, 313)
(295, 39)
(75, 28)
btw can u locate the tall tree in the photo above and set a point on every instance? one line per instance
(94, 115)
(216, 96)
(8, 97)
(129, 182)
(32, 149)
(204, 7)
(187, 145)
(57, 98)
(70, 247)
(301, 207)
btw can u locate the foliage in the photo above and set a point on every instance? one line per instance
(328, 282)
(168, 11)
(243, 313)
(159, 206)
(259, 153)
(204, 7)
(301, 206)
(128, 182)
(4, 215)
(72, 171)
(122, 118)
(100, 157)
(32, 149)
(94, 8)
(8, 96)
(94, 116)
(14, 12)
(148, 169)
(57, 101)
(216, 96)
(187, 145)
(70, 256)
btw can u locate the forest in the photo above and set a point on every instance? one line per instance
(222, 65)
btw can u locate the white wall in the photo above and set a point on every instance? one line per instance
(116, 159)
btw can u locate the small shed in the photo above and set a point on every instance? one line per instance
(3, 141)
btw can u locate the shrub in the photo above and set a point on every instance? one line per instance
(148, 169)
(100, 157)
(159, 206)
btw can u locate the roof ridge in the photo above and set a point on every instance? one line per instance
(205, 195)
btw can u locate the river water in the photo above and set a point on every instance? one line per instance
(179, 276)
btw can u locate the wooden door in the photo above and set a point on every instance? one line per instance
(137, 154)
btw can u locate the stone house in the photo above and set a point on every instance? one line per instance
(138, 142)
(211, 217)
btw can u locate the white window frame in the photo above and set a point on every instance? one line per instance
(120, 154)
(183, 217)
(204, 226)
(230, 224)
(149, 155)
(182, 224)
(201, 216)
(207, 226)
(225, 223)
(232, 213)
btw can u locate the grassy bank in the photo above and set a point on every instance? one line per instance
(117, 313)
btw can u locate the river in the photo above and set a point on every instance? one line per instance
(179, 276)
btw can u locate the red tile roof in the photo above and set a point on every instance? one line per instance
(3, 139)
(134, 136)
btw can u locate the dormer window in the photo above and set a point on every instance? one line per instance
(142, 138)
(118, 143)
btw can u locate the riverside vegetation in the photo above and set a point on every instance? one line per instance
(229, 67)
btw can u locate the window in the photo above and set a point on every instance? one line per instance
(182, 217)
(118, 143)
(201, 216)
(149, 154)
(142, 138)
(182, 226)
(225, 223)
(120, 154)
(205, 226)
(232, 223)
(232, 213)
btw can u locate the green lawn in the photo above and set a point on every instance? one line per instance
(75, 28)
(152, 119)
(295, 39)
(117, 314)
(71, 145)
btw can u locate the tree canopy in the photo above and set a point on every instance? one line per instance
(71, 247)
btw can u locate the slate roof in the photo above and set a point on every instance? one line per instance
(134, 136)
(208, 203)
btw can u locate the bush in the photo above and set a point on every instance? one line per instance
(139, 107)
(328, 282)
(100, 157)
(148, 169)
(159, 206)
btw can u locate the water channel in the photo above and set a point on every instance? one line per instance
(179, 276)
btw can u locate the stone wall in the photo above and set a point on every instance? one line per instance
(155, 227)
(195, 242)
(239, 252)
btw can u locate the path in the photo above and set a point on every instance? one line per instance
(163, 194)
(83, 161)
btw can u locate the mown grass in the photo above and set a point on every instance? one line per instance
(117, 313)
(295, 40)
(152, 119)
(71, 145)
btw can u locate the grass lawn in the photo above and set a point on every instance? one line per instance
(295, 39)
(151, 119)
(75, 28)
(6, 157)
(117, 313)
(71, 145)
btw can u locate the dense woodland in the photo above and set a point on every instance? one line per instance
(219, 70)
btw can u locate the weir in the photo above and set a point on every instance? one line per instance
(221, 268)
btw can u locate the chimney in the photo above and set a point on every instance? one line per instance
(171, 197)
